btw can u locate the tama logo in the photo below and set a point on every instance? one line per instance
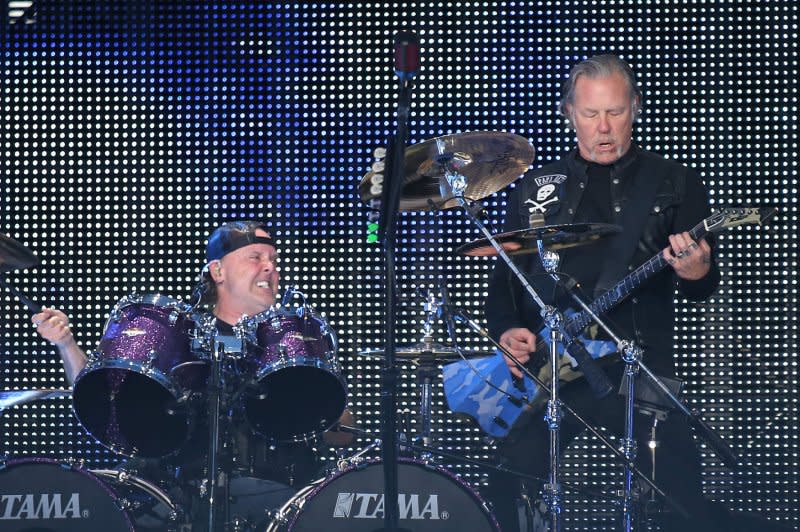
(370, 506)
(40, 506)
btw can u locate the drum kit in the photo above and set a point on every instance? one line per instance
(162, 363)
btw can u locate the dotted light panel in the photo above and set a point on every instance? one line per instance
(129, 130)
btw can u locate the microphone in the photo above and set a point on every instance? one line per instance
(406, 55)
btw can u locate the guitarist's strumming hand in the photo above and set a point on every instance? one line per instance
(691, 260)
(520, 342)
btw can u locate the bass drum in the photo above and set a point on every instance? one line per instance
(430, 499)
(134, 395)
(41, 494)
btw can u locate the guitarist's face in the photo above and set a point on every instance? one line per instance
(602, 113)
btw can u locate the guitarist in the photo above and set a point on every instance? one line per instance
(606, 179)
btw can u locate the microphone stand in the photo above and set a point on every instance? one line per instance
(406, 65)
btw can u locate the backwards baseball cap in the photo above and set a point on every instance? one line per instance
(234, 235)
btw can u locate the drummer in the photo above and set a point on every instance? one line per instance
(240, 278)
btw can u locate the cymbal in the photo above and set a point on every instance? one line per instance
(18, 397)
(14, 255)
(555, 237)
(439, 352)
(490, 161)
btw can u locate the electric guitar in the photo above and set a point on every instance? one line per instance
(483, 388)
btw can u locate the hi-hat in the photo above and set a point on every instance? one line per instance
(489, 160)
(14, 256)
(19, 397)
(434, 351)
(554, 237)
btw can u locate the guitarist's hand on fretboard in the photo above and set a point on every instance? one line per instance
(520, 342)
(691, 260)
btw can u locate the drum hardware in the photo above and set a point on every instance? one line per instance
(215, 485)
(356, 458)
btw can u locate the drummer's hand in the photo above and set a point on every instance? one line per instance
(520, 342)
(53, 326)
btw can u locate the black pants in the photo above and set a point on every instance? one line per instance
(678, 469)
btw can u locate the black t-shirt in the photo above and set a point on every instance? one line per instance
(582, 262)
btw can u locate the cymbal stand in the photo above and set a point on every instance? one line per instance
(455, 184)
(425, 372)
(631, 354)
(216, 481)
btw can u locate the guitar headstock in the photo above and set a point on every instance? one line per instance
(738, 216)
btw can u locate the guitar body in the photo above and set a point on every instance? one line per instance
(497, 408)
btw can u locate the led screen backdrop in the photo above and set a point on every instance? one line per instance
(129, 130)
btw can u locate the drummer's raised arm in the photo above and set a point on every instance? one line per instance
(53, 326)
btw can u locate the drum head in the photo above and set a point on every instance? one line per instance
(295, 403)
(143, 420)
(431, 500)
(41, 495)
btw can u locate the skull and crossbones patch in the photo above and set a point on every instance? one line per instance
(545, 196)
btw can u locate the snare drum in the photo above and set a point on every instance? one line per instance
(43, 494)
(298, 390)
(430, 500)
(135, 394)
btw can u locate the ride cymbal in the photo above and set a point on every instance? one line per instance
(554, 237)
(489, 160)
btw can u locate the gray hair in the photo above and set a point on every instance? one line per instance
(600, 66)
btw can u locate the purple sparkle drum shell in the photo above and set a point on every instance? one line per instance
(431, 500)
(298, 390)
(129, 396)
(40, 494)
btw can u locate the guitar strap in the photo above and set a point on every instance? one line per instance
(634, 214)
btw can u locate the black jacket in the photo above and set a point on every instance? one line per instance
(678, 203)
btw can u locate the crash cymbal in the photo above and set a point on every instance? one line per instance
(489, 160)
(439, 352)
(554, 237)
(18, 397)
(14, 255)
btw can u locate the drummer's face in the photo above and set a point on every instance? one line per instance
(248, 280)
(602, 114)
